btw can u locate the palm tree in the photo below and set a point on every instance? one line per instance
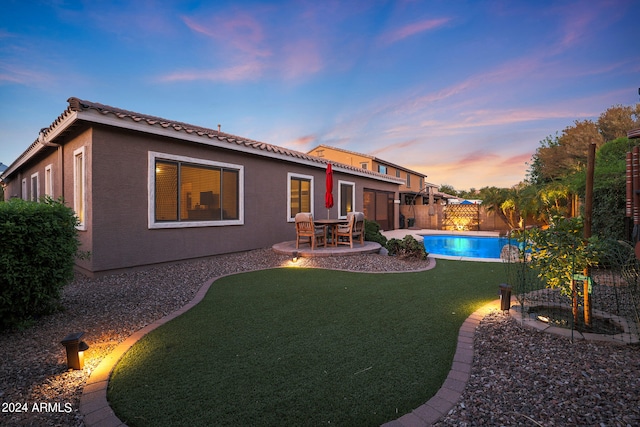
(492, 200)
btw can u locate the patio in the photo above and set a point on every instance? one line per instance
(289, 248)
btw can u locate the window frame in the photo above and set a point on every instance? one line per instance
(353, 197)
(151, 185)
(34, 189)
(48, 180)
(80, 200)
(310, 178)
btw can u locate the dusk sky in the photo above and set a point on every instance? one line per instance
(462, 91)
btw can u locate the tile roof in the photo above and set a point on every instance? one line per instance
(83, 110)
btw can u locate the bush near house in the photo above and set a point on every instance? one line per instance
(407, 248)
(38, 245)
(372, 233)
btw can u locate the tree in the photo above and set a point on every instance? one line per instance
(554, 198)
(576, 140)
(617, 120)
(562, 155)
(448, 189)
(492, 200)
(542, 167)
(560, 252)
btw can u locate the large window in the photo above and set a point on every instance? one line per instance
(189, 192)
(347, 196)
(79, 186)
(300, 194)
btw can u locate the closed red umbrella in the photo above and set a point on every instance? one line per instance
(328, 195)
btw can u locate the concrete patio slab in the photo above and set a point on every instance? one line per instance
(289, 248)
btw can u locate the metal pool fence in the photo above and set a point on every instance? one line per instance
(603, 305)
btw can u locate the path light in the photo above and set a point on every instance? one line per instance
(505, 297)
(544, 319)
(75, 350)
(295, 256)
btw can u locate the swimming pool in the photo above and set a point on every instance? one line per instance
(464, 246)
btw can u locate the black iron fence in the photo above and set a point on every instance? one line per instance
(603, 304)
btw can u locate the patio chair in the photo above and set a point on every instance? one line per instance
(353, 229)
(308, 232)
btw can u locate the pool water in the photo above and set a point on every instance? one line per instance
(464, 246)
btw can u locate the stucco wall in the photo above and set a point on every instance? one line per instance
(117, 232)
(119, 214)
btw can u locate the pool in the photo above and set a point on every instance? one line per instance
(464, 246)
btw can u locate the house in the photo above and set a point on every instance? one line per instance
(149, 190)
(415, 192)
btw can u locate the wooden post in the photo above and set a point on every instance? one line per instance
(588, 213)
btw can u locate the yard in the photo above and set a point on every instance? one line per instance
(303, 347)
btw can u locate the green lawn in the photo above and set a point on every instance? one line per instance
(303, 347)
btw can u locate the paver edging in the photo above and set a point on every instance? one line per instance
(453, 387)
(94, 405)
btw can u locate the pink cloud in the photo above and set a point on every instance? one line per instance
(23, 75)
(241, 32)
(580, 23)
(394, 147)
(518, 159)
(241, 72)
(303, 141)
(301, 58)
(477, 170)
(409, 30)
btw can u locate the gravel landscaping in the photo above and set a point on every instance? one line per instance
(519, 377)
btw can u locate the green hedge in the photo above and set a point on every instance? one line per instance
(38, 246)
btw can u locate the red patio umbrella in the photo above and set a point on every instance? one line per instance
(328, 195)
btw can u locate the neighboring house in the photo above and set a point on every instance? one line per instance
(415, 190)
(414, 182)
(148, 190)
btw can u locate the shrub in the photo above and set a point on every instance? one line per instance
(560, 251)
(372, 233)
(407, 248)
(39, 245)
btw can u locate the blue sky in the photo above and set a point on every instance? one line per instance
(462, 91)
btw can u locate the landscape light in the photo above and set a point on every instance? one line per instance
(75, 350)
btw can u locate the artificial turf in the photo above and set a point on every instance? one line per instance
(303, 347)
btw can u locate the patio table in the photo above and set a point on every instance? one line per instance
(332, 225)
